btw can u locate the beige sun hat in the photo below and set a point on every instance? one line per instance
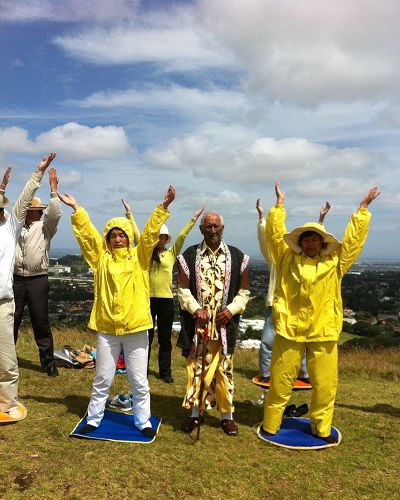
(37, 204)
(3, 201)
(164, 230)
(329, 245)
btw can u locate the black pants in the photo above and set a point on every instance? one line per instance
(34, 291)
(162, 311)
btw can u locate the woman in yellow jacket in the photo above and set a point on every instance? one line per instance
(307, 309)
(161, 297)
(121, 313)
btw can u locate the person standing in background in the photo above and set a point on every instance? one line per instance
(31, 282)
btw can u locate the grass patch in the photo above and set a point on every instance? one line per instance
(38, 458)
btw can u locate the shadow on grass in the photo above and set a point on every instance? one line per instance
(74, 403)
(248, 373)
(29, 365)
(172, 413)
(379, 408)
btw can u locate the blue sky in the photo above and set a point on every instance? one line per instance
(217, 98)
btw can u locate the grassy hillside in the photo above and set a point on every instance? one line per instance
(39, 460)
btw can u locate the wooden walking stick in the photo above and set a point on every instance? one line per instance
(201, 332)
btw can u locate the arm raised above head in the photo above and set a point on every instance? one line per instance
(280, 195)
(372, 194)
(6, 178)
(323, 212)
(131, 219)
(25, 199)
(150, 234)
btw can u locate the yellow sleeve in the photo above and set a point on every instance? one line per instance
(354, 238)
(275, 230)
(88, 237)
(149, 237)
(178, 243)
(136, 232)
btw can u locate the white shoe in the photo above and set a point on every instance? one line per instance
(14, 415)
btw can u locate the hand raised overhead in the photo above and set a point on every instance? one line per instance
(169, 197)
(45, 162)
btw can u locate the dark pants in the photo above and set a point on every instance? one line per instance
(162, 311)
(34, 291)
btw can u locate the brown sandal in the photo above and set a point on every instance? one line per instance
(191, 423)
(229, 427)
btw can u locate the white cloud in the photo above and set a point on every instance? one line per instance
(311, 52)
(262, 159)
(70, 178)
(222, 199)
(174, 39)
(15, 140)
(72, 141)
(72, 10)
(172, 97)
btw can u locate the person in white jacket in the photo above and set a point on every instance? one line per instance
(31, 283)
(10, 228)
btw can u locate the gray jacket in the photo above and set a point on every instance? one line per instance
(33, 245)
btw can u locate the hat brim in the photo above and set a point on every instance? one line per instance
(5, 202)
(330, 243)
(41, 207)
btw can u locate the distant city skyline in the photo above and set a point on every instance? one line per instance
(218, 99)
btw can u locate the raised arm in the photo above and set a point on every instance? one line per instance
(262, 241)
(89, 239)
(150, 234)
(322, 213)
(356, 232)
(372, 194)
(275, 228)
(180, 239)
(52, 214)
(24, 201)
(129, 216)
(6, 178)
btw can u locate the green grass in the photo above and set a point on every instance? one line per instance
(39, 460)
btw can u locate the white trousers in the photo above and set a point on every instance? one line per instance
(9, 374)
(109, 347)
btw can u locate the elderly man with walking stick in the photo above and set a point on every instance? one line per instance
(213, 292)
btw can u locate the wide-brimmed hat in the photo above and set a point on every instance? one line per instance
(164, 230)
(36, 204)
(329, 242)
(3, 201)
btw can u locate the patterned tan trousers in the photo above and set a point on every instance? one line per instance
(218, 378)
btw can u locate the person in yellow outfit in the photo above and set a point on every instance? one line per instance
(307, 309)
(161, 297)
(121, 310)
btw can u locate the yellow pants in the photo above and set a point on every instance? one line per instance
(322, 362)
(218, 379)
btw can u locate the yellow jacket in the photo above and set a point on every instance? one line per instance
(308, 303)
(161, 272)
(121, 276)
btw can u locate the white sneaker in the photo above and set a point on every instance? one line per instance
(15, 413)
(120, 402)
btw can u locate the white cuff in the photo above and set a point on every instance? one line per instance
(187, 301)
(239, 302)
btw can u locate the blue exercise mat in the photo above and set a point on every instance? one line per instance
(117, 426)
(295, 433)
